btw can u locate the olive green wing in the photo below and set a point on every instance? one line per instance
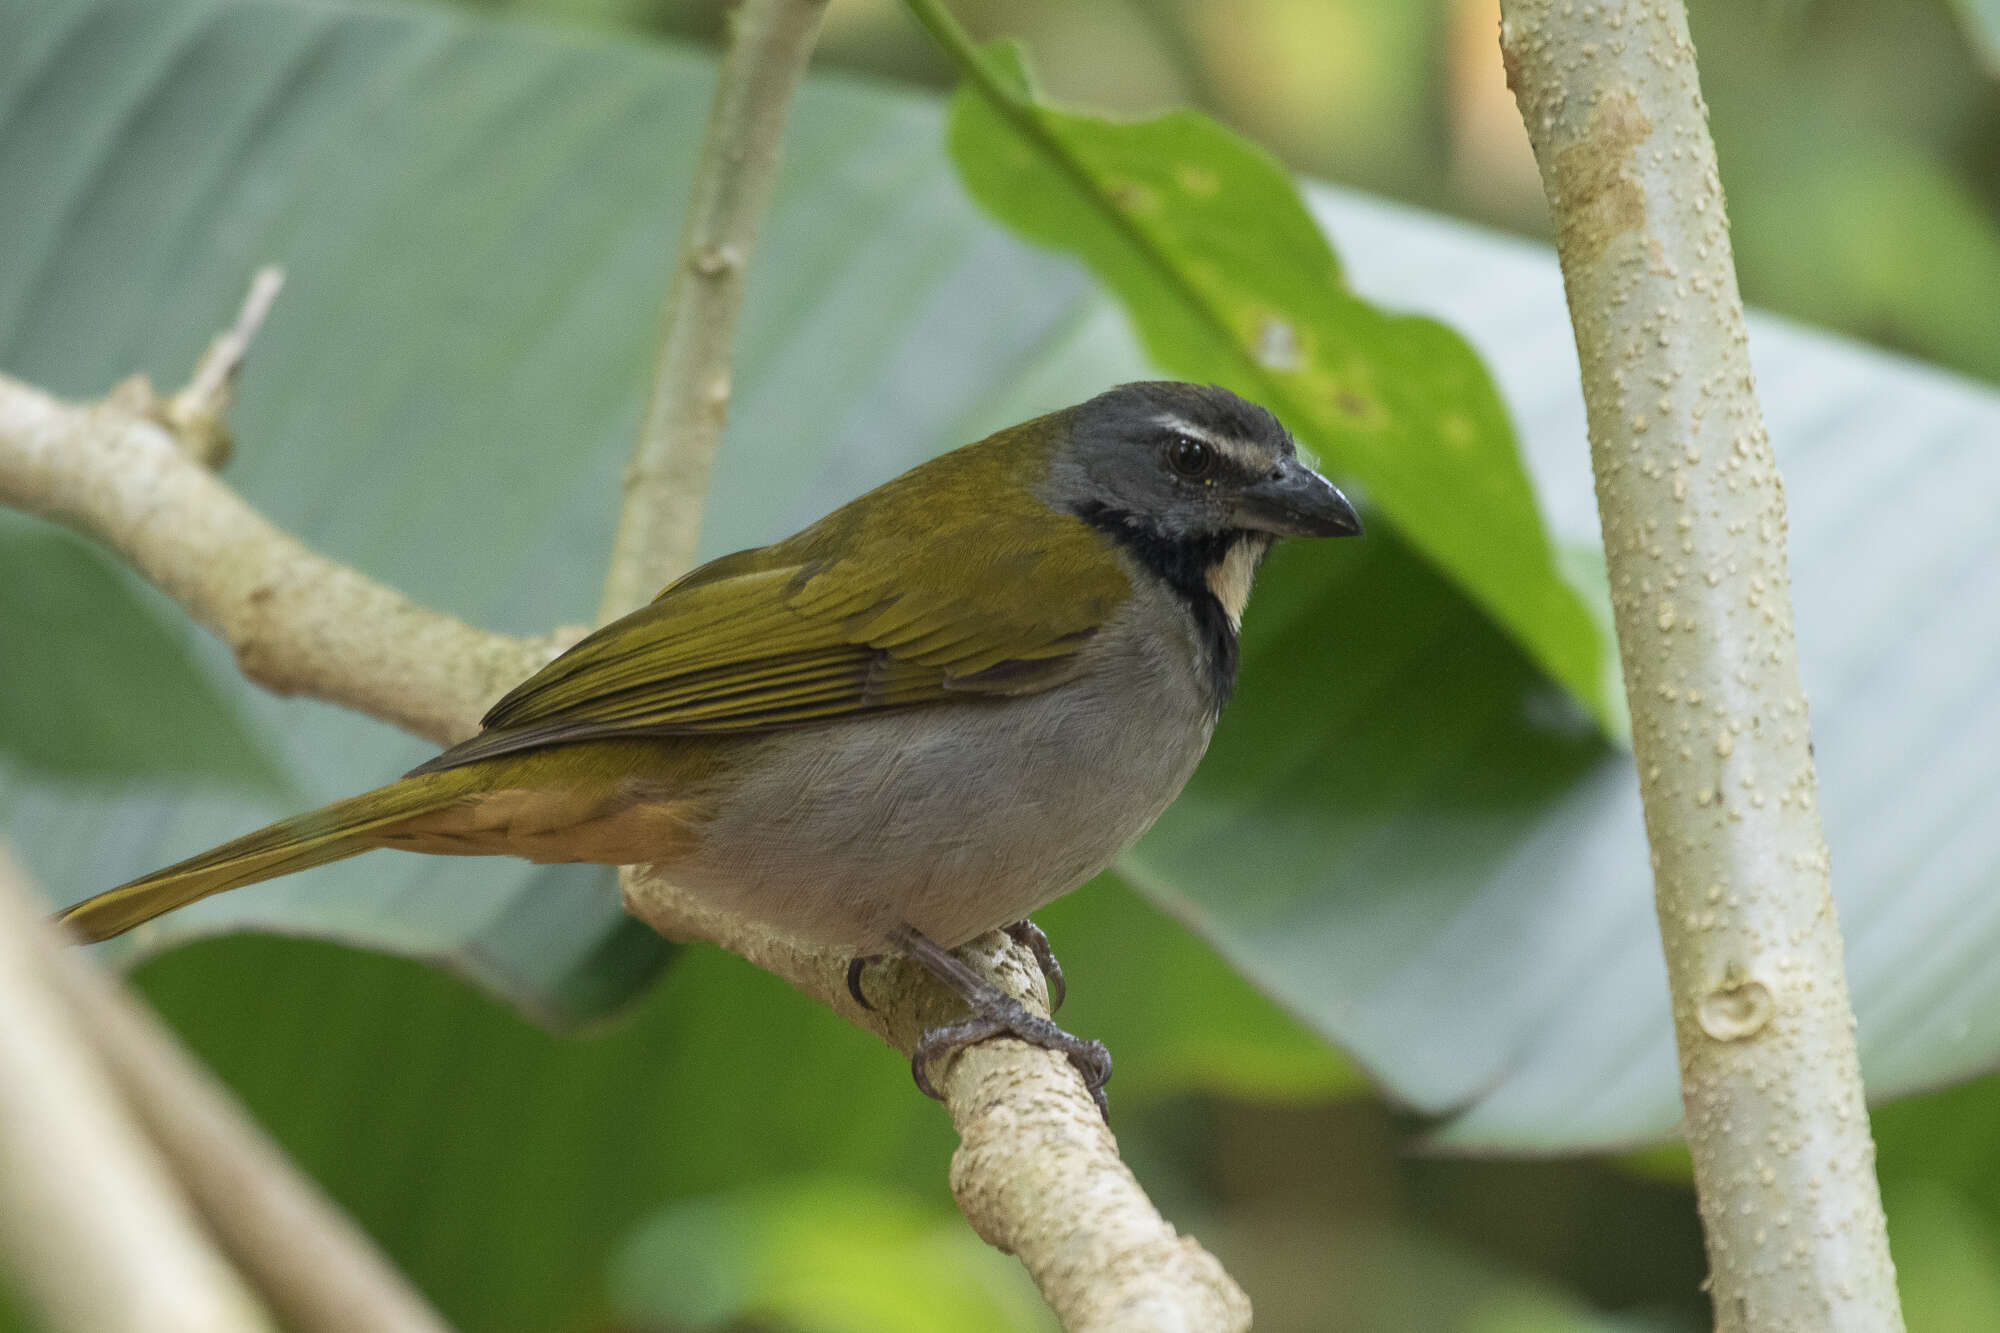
(996, 603)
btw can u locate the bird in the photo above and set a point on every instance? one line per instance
(919, 719)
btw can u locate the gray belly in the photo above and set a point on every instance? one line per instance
(954, 820)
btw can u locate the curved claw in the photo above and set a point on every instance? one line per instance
(1030, 937)
(854, 969)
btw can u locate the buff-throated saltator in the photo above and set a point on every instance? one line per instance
(923, 717)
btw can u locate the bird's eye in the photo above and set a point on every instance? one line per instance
(1190, 457)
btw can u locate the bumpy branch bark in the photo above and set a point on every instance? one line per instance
(1694, 533)
(769, 43)
(90, 1221)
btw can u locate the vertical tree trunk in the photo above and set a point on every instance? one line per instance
(1694, 535)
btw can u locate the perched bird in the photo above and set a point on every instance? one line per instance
(928, 714)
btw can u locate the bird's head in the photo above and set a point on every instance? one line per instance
(1194, 481)
(1193, 461)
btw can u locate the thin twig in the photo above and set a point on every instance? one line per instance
(667, 482)
(1694, 535)
(307, 1258)
(92, 1225)
(199, 414)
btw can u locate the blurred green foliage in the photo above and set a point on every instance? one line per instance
(820, 1255)
(72, 708)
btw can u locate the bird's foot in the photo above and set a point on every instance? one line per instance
(1008, 1019)
(996, 1013)
(1030, 937)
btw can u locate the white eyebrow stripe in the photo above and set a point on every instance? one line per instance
(1186, 428)
(1232, 449)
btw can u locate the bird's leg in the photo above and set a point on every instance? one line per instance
(994, 1013)
(854, 968)
(1030, 937)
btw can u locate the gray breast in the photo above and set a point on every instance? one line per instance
(961, 818)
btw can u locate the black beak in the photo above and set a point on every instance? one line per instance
(1295, 501)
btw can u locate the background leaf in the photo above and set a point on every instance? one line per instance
(1982, 29)
(1206, 243)
(819, 1255)
(73, 706)
(500, 1164)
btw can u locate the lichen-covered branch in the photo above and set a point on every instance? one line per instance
(91, 1224)
(1038, 1175)
(1694, 533)
(667, 482)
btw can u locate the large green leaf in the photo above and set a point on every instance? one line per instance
(501, 1166)
(1406, 835)
(1890, 487)
(1208, 245)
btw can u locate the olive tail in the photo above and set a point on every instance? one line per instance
(330, 833)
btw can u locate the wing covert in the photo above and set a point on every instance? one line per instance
(804, 632)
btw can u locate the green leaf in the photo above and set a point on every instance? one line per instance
(1539, 971)
(1176, 1015)
(501, 1166)
(73, 709)
(1208, 246)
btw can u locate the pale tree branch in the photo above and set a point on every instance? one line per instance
(91, 1223)
(317, 1270)
(667, 482)
(298, 622)
(1694, 535)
